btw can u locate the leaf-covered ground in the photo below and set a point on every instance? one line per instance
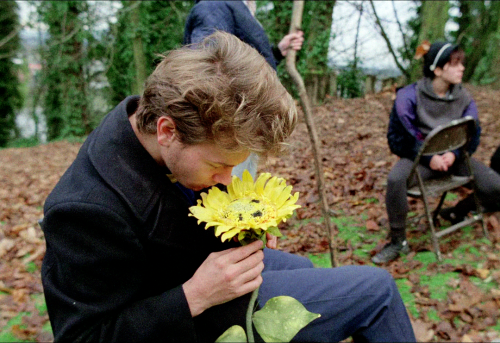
(456, 300)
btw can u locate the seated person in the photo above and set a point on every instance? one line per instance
(125, 262)
(436, 99)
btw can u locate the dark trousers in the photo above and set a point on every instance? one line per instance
(487, 180)
(358, 301)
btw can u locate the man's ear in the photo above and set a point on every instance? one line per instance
(165, 130)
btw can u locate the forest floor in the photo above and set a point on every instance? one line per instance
(457, 300)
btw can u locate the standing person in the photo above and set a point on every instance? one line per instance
(436, 99)
(238, 18)
(125, 262)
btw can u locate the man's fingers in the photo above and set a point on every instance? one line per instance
(251, 262)
(243, 252)
(272, 241)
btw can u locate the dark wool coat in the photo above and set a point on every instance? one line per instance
(120, 245)
(233, 17)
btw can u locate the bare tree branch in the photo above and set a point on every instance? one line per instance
(361, 7)
(388, 42)
(403, 35)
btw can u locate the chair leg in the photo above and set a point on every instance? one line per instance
(480, 213)
(435, 243)
(476, 198)
(438, 208)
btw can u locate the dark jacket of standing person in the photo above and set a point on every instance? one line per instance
(233, 17)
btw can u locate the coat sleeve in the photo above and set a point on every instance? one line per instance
(93, 282)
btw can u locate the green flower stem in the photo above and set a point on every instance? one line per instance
(250, 309)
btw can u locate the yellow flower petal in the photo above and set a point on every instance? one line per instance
(284, 196)
(235, 188)
(222, 228)
(201, 213)
(229, 234)
(217, 200)
(260, 183)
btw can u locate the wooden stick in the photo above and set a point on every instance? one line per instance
(298, 8)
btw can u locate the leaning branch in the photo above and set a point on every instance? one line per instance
(298, 7)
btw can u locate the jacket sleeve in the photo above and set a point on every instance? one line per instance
(278, 56)
(403, 137)
(92, 278)
(205, 18)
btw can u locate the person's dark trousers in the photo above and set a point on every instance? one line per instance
(358, 301)
(487, 180)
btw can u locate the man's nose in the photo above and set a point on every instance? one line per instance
(224, 177)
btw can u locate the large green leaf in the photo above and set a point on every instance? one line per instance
(281, 319)
(234, 334)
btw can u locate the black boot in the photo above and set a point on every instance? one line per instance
(391, 250)
(459, 212)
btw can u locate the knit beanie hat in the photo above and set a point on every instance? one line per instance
(437, 56)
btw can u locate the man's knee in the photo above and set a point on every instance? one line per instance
(279, 260)
(303, 262)
(382, 282)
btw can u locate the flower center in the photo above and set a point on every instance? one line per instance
(248, 210)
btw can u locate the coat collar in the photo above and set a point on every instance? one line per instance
(123, 163)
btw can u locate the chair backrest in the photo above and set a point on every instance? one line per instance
(454, 135)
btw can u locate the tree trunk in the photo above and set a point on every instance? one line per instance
(495, 64)
(434, 15)
(298, 7)
(481, 35)
(139, 56)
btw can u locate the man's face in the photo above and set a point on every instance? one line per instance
(202, 165)
(453, 73)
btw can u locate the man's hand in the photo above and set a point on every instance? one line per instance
(291, 40)
(224, 276)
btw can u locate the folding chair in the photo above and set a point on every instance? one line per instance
(449, 137)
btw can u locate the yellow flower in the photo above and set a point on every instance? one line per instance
(248, 209)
